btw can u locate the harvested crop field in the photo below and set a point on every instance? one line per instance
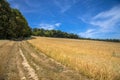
(97, 60)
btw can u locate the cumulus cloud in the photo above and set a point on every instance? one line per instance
(57, 24)
(49, 26)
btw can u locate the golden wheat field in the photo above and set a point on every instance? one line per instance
(95, 59)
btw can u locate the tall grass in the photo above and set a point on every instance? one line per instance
(95, 59)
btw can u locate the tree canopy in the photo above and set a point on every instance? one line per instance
(53, 33)
(12, 22)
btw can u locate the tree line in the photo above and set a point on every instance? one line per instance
(12, 22)
(61, 34)
(13, 25)
(53, 33)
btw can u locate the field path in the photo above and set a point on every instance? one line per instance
(31, 71)
(19, 60)
(8, 59)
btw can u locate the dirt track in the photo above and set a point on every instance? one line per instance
(21, 61)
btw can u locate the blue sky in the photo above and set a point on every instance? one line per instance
(87, 18)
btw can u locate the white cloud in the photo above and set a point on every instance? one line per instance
(65, 5)
(107, 19)
(88, 33)
(57, 24)
(49, 26)
(24, 6)
(30, 3)
(104, 23)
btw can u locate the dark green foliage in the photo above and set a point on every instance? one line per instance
(12, 23)
(107, 40)
(53, 33)
(60, 34)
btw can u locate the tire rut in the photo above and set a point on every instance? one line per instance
(31, 72)
(21, 61)
(47, 68)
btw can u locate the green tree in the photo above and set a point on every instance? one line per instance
(12, 22)
(5, 12)
(21, 29)
(53, 33)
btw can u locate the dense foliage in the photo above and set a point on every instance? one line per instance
(53, 33)
(12, 22)
(61, 34)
